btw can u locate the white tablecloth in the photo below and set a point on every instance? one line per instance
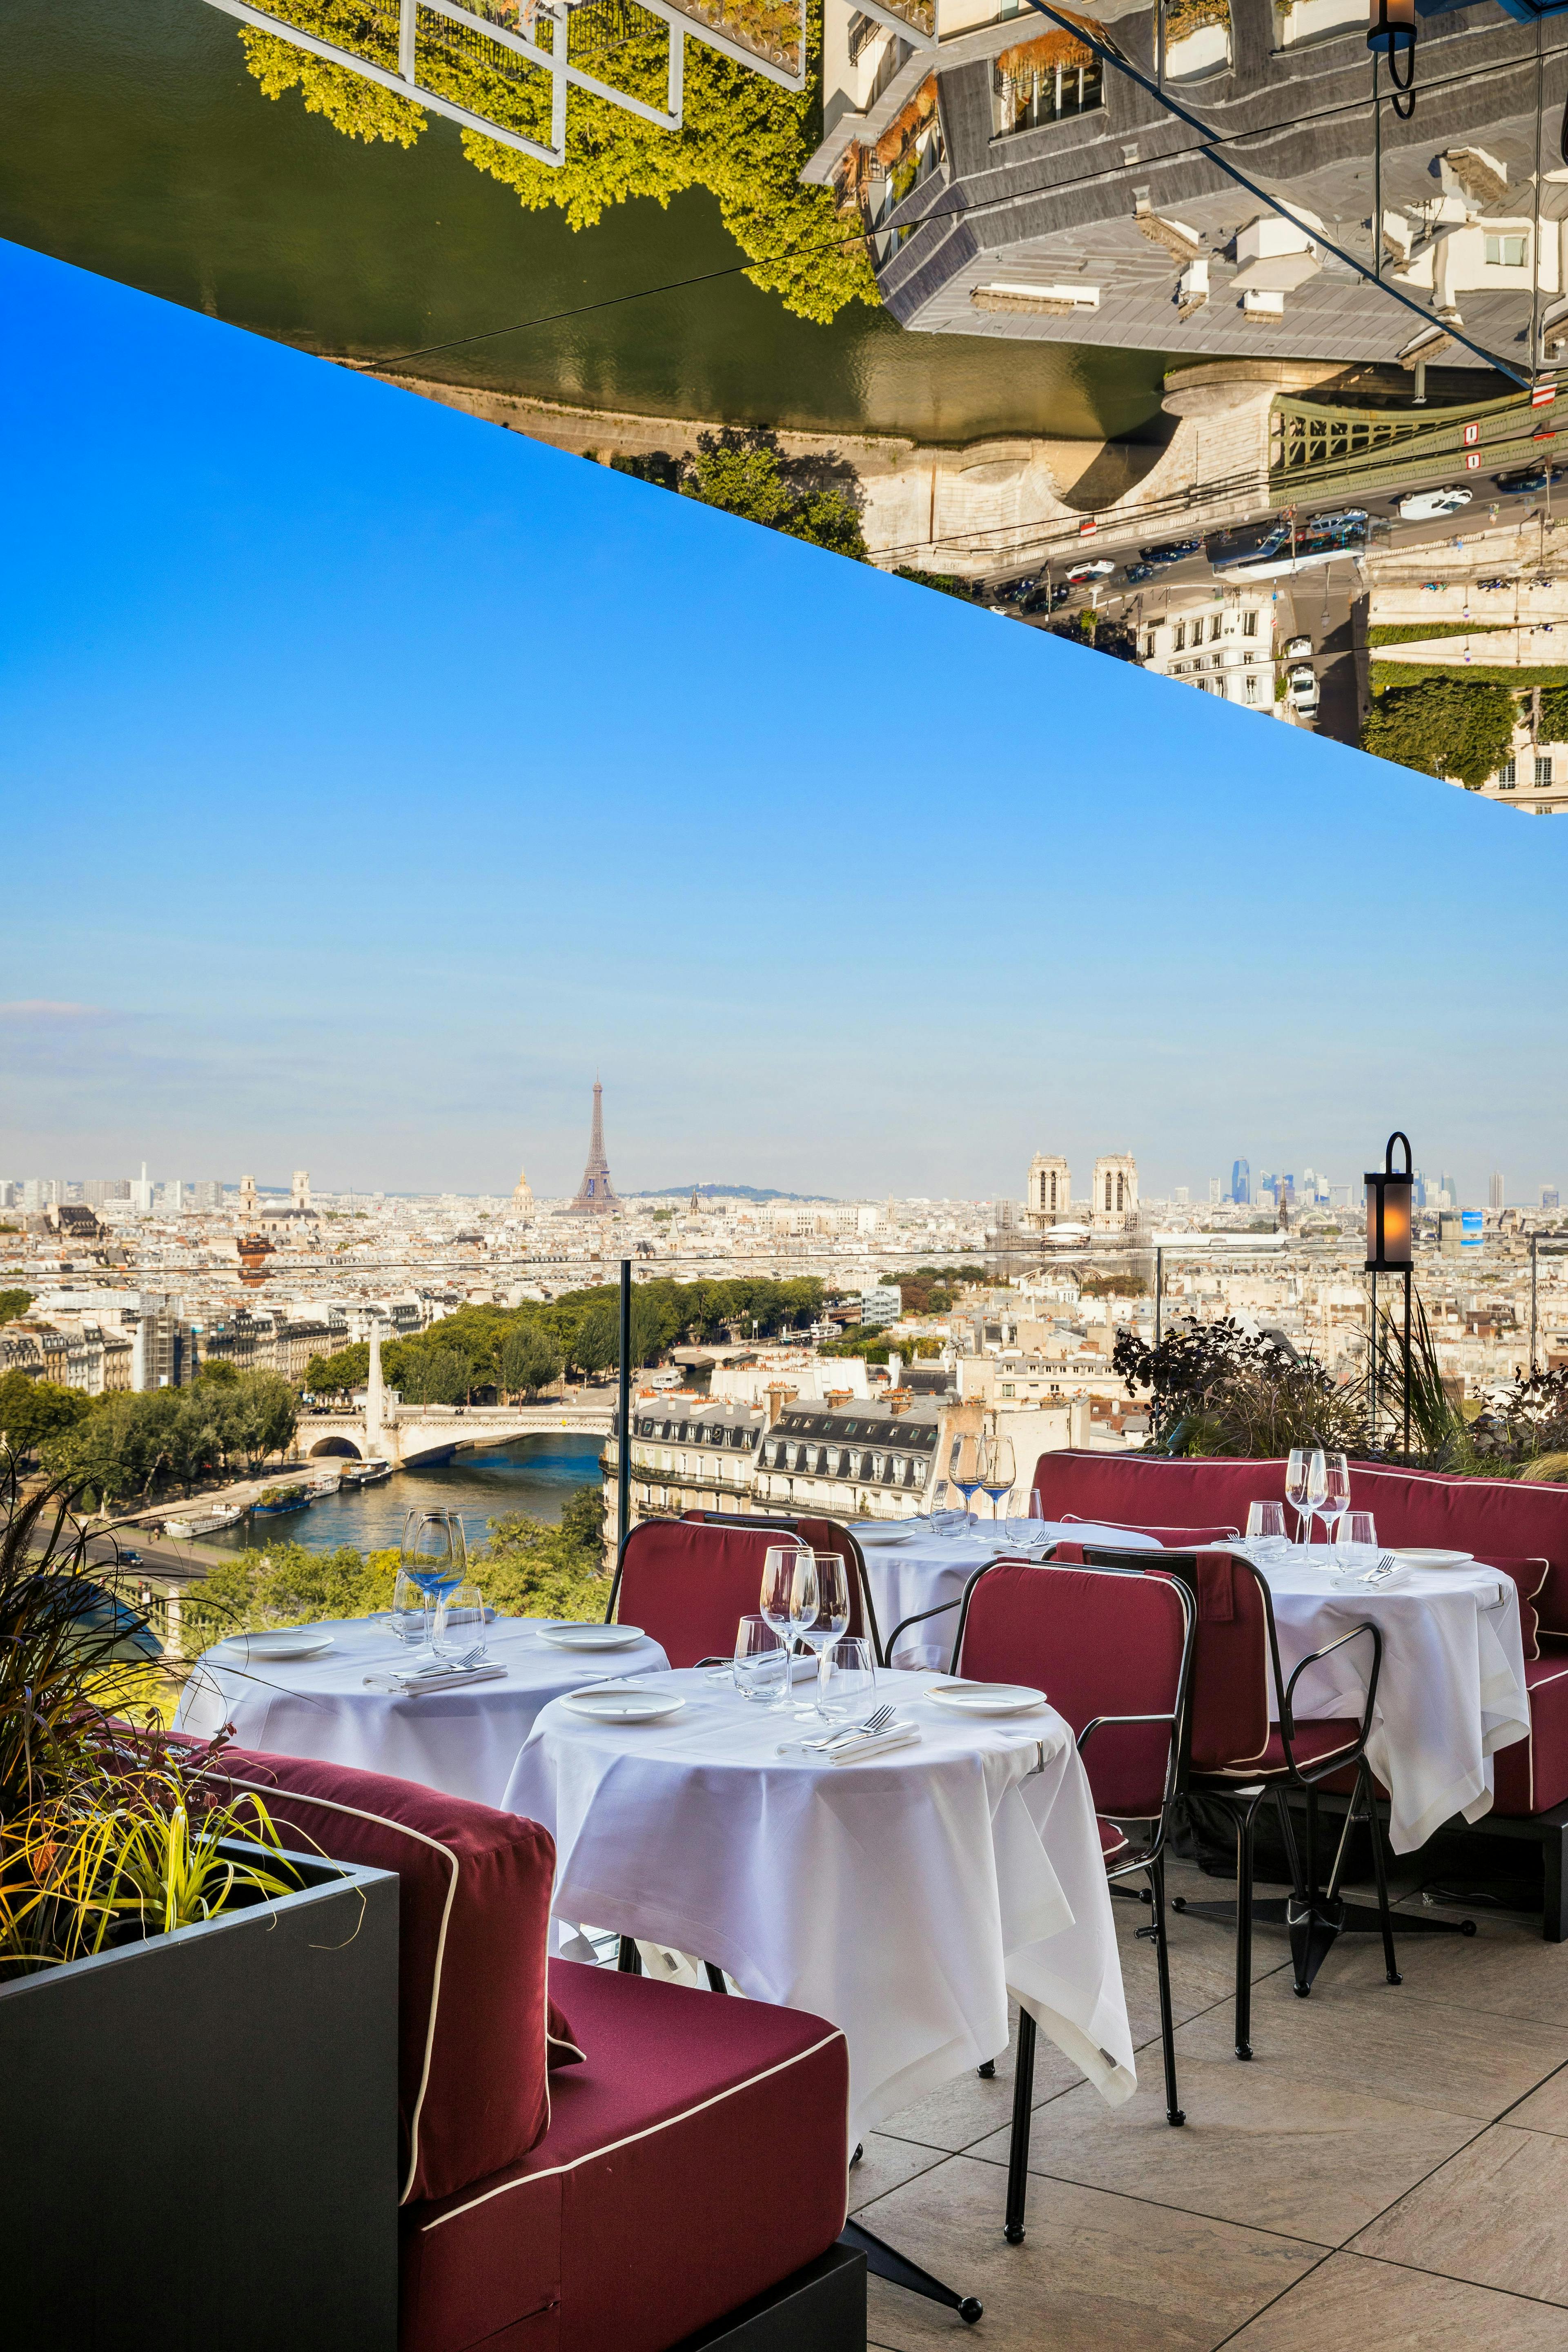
(928, 1570)
(462, 1741)
(1452, 1689)
(903, 1897)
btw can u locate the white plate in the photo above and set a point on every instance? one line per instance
(888, 1535)
(986, 1698)
(301, 1642)
(624, 1702)
(565, 1635)
(1415, 1558)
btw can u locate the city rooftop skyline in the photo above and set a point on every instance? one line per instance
(374, 776)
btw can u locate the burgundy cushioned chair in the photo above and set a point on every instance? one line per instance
(590, 2162)
(821, 1535)
(1244, 1740)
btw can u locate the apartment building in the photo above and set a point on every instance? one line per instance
(1223, 645)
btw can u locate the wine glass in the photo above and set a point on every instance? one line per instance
(1336, 1496)
(820, 1605)
(407, 1615)
(966, 1467)
(848, 1670)
(777, 1596)
(759, 1658)
(1317, 1487)
(459, 1632)
(998, 1469)
(1298, 1481)
(435, 1549)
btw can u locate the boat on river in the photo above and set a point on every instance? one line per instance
(273, 1501)
(366, 1473)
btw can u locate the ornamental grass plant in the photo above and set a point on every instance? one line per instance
(110, 1831)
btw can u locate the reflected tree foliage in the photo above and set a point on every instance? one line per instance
(742, 137)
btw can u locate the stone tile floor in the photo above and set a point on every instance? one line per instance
(1389, 2170)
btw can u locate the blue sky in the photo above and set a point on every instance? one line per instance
(371, 777)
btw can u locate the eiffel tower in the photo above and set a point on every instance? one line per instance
(596, 1195)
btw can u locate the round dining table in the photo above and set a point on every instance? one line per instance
(910, 1567)
(904, 1896)
(463, 1741)
(1451, 1690)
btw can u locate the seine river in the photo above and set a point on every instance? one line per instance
(538, 1479)
(140, 148)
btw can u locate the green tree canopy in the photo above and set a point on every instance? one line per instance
(1447, 726)
(14, 1303)
(529, 1359)
(128, 1443)
(34, 1410)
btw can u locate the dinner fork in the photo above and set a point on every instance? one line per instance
(866, 1730)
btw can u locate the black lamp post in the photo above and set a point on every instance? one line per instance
(1392, 34)
(1389, 1238)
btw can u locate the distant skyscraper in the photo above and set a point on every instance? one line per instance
(1450, 1190)
(596, 1195)
(1240, 1180)
(1551, 1197)
(1494, 1190)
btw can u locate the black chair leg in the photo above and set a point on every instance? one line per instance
(1244, 1821)
(1380, 1869)
(629, 1959)
(987, 2072)
(1174, 2113)
(715, 1978)
(1018, 2153)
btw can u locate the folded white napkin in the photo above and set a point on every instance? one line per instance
(850, 1751)
(410, 1678)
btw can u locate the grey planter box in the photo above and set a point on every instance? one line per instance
(198, 2134)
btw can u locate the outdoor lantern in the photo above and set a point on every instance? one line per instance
(1388, 1203)
(1393, 31)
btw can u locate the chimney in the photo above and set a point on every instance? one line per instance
(778, 1397)
(838, 1398)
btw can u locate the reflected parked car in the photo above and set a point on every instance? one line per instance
(1427, 506)
(1303, 687)
(1528, 480)
(1138, 572)
(1295, 646)
(1101, 569)
(1172, 551)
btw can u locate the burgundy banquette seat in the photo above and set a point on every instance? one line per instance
(588, 2161)
(1517, 1526)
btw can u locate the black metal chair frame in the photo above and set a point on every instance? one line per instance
(1313, 1915)
(1150, 1859)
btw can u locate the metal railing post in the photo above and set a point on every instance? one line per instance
(624, 1402)
(407, 29)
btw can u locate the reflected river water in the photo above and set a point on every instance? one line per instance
(141, 148)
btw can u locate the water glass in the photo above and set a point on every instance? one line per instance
(846, 1678)
(1358, 1541)
(1029, 1533)
(459, 1628)
(408, 1616)
(1265, 1529)
(760, 1660)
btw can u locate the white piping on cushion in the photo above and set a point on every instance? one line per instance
(384, 1821)
(553, 2171)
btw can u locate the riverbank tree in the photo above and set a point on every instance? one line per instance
(130, 1444)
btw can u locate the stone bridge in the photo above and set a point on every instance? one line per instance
(404, 1433)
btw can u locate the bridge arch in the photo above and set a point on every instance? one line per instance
(336, 1446)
